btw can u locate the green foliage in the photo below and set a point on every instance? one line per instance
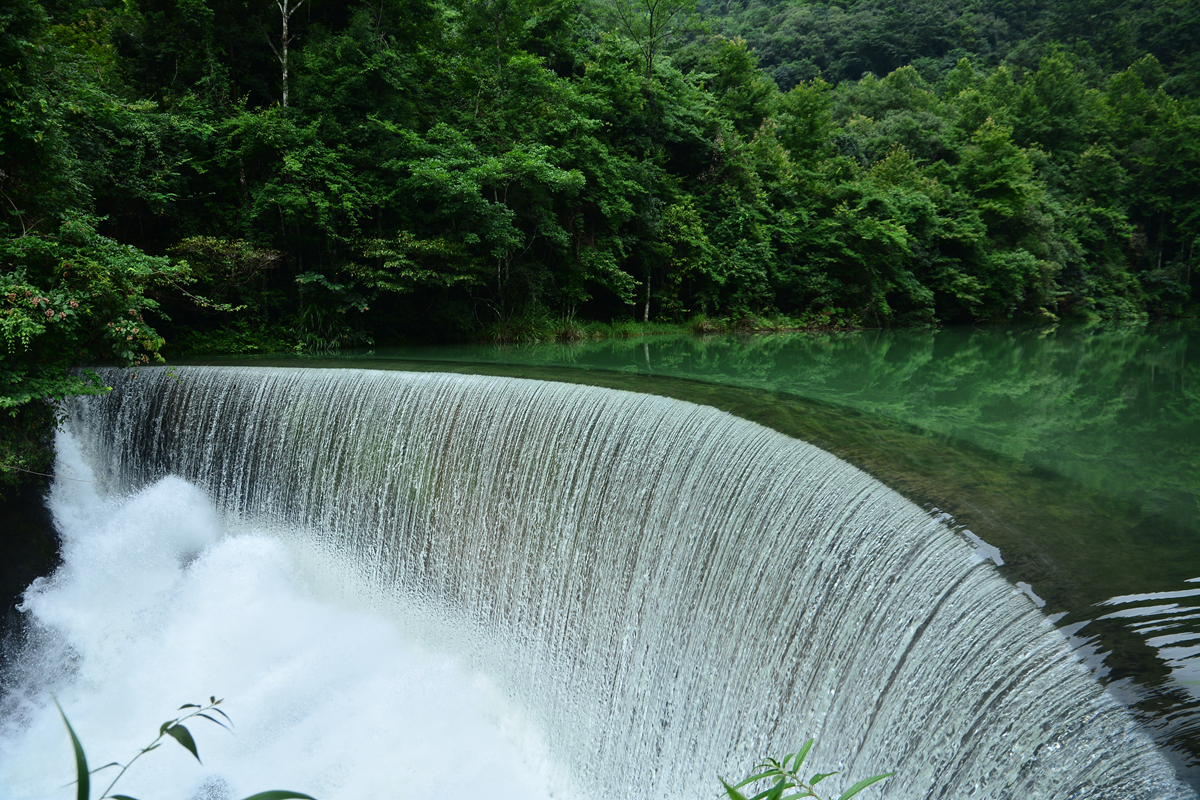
(173, 728)
(76, 296)
(649, 24)
(25, 436)
(786, 783)
(455, 168)
(69, 298)
(238, 336)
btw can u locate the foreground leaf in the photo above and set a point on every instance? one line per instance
(213, 720)
(184, 737)
(733, 793)
(757, 777)
(223, 714)
(774, 792)
(858, 787)
(803, 754)
(81, 768)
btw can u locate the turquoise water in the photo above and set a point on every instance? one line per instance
(1117, 410)
(1071, 454)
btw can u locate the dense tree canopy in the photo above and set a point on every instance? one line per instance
(444, 168)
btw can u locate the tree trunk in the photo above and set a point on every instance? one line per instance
(283, 58)
(285, 13)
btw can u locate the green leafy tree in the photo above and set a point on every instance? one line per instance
(651, 24)
(805, 119)
(69, 297)
(744, 95)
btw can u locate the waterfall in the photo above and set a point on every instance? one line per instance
(666, 592)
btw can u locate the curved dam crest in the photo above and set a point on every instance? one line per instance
(669, 591)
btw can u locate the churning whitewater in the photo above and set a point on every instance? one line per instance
(407, 584)
(159, 602)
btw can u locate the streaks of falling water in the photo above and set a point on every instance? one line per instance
(670, 591)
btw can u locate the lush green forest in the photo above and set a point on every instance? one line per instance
(213, 175)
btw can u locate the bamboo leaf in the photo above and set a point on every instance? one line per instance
(754, 778)
(858, 787)
(106, 766)
(213, 720)
(279, 794)
(84, 788)
(803, 754)
(732, 791)
(775, 791)
(820, 776)
(184, 737)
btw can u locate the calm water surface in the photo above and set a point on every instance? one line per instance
(1071, 454)
(1116, 410)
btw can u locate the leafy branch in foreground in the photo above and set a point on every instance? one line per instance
(173, 728)
(787, 779)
